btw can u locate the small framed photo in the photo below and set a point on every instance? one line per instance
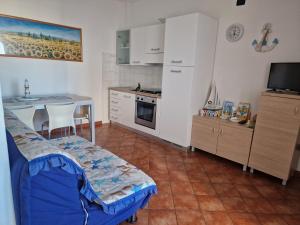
(243, 111)
(227, 110)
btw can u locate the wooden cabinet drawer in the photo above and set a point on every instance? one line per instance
(205, 134)
(234, 143)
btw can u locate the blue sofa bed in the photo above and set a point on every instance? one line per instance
(69, 181)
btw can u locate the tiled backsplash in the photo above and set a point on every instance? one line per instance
(148, 76)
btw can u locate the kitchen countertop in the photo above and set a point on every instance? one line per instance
(130, 90)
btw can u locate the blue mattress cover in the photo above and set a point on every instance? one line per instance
(54, 195)
(44, 158)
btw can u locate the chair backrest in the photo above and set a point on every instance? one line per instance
(25, 114)
(61, 115)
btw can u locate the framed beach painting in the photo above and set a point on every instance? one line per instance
(20, 37)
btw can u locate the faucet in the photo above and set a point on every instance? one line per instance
(138, 87)
(26, 88)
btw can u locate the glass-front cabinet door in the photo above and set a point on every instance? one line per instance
(123, 47)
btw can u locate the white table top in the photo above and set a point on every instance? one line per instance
(47, 99)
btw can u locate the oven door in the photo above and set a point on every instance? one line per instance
(145, 114)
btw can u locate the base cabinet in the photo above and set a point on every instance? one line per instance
(223, 138)
(276, 134)
(122, 108)
(234, 142)
(204, 134)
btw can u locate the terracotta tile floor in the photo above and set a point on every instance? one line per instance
(202, 189)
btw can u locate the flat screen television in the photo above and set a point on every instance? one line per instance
(284, 76)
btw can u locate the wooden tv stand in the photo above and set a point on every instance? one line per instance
(276, 135)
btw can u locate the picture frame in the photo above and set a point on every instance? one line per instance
(27, 38)
(243, 111)
(227, 110)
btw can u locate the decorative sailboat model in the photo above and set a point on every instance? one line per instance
(212, 107)
(213, 102)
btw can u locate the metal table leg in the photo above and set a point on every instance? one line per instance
(92, 123)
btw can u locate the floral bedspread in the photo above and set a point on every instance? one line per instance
(111, 179)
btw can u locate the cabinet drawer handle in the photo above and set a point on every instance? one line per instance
(213, 131)
(296, 110)
(126, 96)
(113, 117)
(115, 94)
(114, 102)
(136, 62)
(176, 61)
(155, 49)
(175, 71)
(115, 110)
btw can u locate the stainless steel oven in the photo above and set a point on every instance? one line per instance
(145, 111)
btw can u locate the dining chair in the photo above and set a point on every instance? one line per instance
(25, 114)
(60, 116)
(82, 115)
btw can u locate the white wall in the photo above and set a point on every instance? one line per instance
(6, 204)
(45, 76)
(99, 19)
(240, 72)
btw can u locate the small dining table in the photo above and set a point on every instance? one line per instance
(40, 102)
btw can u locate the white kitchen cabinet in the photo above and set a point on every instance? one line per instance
(188, 68)
(154, 46)
(137, 48)
(127, 113)
(155, 39)
(122, 108)
(181, 38)
(175, 104)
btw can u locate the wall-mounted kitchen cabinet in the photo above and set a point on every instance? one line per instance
(181, 40)
(137, 49)
(155, 39)
(123, 47)
(154, 43)
(141, 45)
